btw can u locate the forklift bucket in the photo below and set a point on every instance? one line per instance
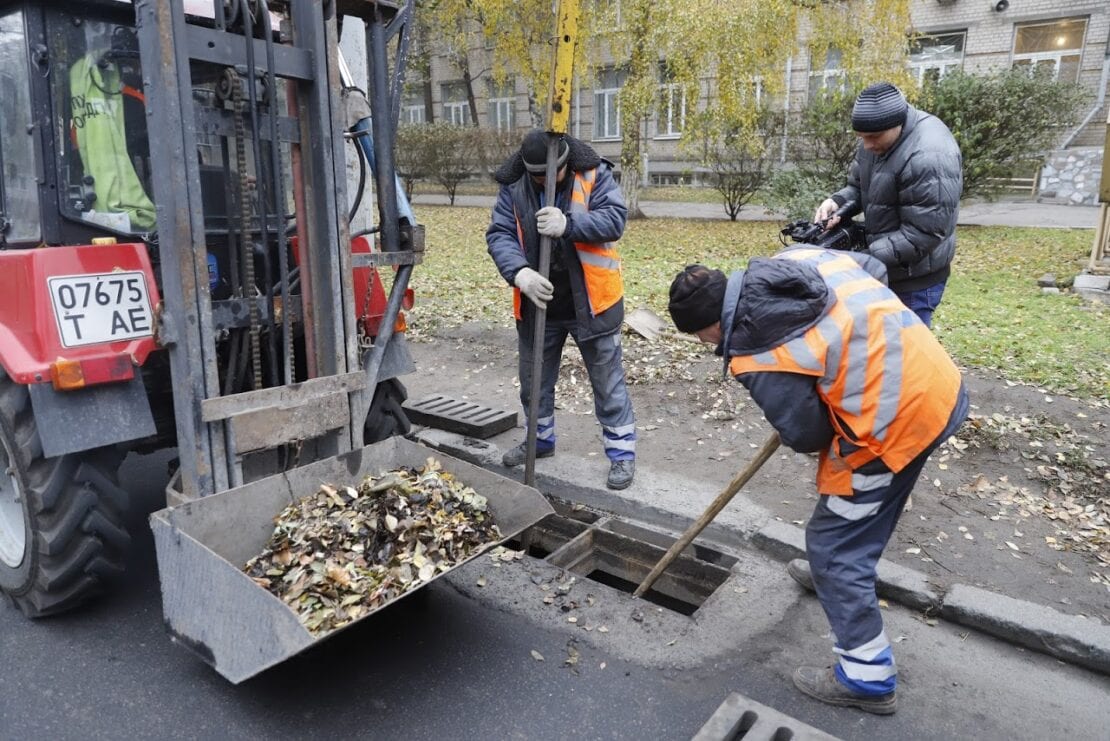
(213, 608)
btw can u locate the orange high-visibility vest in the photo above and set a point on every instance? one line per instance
(889, 385)
(601, 263)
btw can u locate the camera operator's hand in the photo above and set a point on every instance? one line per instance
(826, 210)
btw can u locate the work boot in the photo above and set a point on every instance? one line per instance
(799, 572)
(515, 456)
(822, 684)
(621, 474)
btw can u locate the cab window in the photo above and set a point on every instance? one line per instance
(101, 134)
(19, 188)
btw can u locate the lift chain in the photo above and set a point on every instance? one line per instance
(235, 84)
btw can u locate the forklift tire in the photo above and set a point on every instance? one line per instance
(386, 418)
(62, 531)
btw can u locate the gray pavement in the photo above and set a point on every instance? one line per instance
(1027, 213)
(460, 661)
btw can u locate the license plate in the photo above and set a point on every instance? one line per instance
(92, 309)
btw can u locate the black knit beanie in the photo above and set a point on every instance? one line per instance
(697, 296)
(879, 107)
(534, 151)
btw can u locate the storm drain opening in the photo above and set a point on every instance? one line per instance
(694, 550)
(622, 563)
(548, 535)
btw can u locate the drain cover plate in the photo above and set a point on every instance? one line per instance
(742, 717)
(459, 416)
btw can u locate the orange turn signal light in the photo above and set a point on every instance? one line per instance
(400, 325)
(67, 375)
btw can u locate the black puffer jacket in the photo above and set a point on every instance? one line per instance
(910, 199)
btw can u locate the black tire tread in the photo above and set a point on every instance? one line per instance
(77, 511)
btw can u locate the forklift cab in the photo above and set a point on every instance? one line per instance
(73, 138)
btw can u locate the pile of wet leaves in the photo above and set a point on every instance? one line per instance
(342, 552)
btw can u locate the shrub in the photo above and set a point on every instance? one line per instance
(822, 147)
(1001, 119)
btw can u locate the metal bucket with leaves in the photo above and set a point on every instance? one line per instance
(219, 612)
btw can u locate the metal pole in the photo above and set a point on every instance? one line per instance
(558, 119)
(540, 325)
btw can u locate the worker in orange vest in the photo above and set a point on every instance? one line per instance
(583, 294)
(838, 366)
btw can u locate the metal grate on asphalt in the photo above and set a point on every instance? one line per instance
(459, 416)
(740, 717)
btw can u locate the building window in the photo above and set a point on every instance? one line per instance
(935, 55)
(502, 103)
(671, 117)
(1053, 46)
(456, 109)
(413, 110)
(831, 76)
(607, 111)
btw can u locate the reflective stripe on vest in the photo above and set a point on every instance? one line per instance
(879, 369)
(601, 263)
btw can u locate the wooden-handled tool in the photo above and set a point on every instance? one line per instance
(714, 509)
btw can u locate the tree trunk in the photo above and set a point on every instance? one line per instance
(469, 82)
(631, 163)
(429, 104)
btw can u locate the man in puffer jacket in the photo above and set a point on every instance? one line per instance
(906, 179)
(583, 294)
(838, 366)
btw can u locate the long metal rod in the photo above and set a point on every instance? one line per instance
(714, 509)
(540, 326)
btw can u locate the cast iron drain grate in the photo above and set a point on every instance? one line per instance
(740, 717)
(459, 416)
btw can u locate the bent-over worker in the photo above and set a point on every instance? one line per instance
(838, 365)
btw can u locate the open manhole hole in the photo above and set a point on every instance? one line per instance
(618, 555)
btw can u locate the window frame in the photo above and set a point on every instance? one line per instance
(606, 100)
(452, 109)
(826, 74)
(668, 89)
(1034, 59)
(920, 69)
(501, 103)
(28, 211)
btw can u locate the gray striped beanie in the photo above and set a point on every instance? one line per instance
(879, 107)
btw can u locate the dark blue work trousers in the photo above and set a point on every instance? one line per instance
(844, 540)
(603, 359)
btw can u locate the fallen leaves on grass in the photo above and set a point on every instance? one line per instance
(1075, 482)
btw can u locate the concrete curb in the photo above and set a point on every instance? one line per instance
(1069, 638)
(905, 586)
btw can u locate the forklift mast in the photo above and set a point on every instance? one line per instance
(263, 80)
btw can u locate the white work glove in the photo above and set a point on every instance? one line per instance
(534, 286)
(551, 222)
(825, 211)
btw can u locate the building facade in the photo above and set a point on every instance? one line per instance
(1067, 37)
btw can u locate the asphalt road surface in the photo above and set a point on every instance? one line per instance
(453, 663)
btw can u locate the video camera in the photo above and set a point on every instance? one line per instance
(846, 235)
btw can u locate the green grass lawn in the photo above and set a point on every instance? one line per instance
(678, 193)
(993, 314)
